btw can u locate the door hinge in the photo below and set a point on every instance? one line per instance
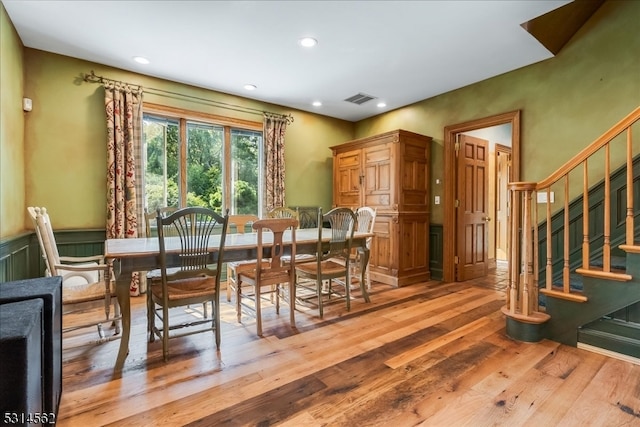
(455, 259)
(457, 203)
(456, 147)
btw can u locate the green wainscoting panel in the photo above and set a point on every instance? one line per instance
(596, 224)
(20, 256)
(436, 250)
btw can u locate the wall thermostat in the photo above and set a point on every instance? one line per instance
(27, 105)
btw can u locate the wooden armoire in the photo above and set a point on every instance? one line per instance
(389, 172)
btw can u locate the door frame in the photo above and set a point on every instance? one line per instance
(450, 132)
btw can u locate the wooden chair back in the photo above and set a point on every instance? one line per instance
(239, 223)
(283, 212)
(366, 219)
(194, 226)
(342, 222)
(266, 272)
(46, 238)
(150, 219)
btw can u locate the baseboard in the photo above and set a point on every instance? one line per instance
(609, 353)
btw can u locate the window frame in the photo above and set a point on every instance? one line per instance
(182, 116)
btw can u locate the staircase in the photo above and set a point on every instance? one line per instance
(595, 253)
(572, 322)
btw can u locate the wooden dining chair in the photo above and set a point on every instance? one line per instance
(365, 221)
(238, 224)
(268, 276)
(84, 279)
(283, 212)
(151, 230)
(150, 219)
(194, 281)
(330, 264)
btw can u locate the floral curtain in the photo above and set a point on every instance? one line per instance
(275, 127)
(123, 106)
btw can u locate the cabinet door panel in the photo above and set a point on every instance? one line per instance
(378, 172)
(414, 230)
(348, 170)
(414, 196)
(381, 255)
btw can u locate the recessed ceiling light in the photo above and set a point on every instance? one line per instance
(317, 103)
(381, 105)
(250, 87)
(308, 42)
(141, 60)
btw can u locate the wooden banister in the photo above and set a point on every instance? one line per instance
(522, 296)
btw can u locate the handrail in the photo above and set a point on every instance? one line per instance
(522, 294)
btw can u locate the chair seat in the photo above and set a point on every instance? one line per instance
(239, 266)
(328, 268)
(75, 288)
(81, 292)
(267, 277)
(157, 273)
(186, 288)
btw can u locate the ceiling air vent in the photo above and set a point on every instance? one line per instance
(360, 98)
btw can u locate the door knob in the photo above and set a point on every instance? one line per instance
(486, 218)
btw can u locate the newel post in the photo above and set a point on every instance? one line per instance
(524, 320)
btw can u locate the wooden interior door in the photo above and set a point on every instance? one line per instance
(503, 171)
(472, 247)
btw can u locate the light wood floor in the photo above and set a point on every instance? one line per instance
(429, 354)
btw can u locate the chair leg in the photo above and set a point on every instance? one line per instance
(319, 290)
(365, 293)
(107, 301)
(230, 280)
(258, 306)
(118, 314)
(347, 290)
(215, 320)
(165, 333)
(238, 297)
(150, 316)
(292, 303)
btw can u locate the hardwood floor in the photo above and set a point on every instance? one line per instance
(430, 354)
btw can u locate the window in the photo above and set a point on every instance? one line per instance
(202, 162)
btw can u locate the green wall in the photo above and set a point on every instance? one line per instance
(12, 187)
(567, 101)
(66, 133)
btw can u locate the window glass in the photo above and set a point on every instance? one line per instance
(246, 157)
(204, 165)
(220, 167)
(160, 138)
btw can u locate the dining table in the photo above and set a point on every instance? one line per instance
(130, 255)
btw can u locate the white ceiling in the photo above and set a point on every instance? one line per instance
(397, 51)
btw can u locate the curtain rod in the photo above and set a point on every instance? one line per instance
(93, 78)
